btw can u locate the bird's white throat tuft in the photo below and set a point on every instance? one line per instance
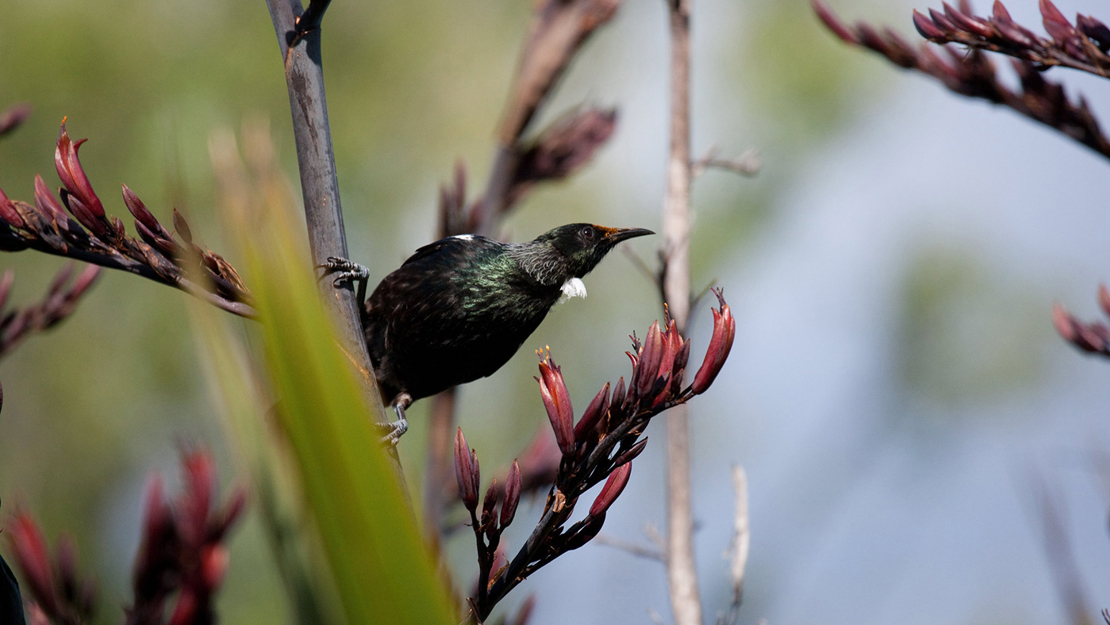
(572, 288)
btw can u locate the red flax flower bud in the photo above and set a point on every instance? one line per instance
(489, 503)
(139, 210)
(1055, 23)
(8, 212)
(612, 489)
(84, 280)
(465, 472)
(591, 525)
(724, 330)
(34, 560)
(147, 225)
(74, 178)
(48, 206)
(81, 211)
(1064, 323)
(672, 342)
(185, 612)
(1094, 29)
(650, 358)
(512, 495)
(14, 117)
(925, 27)
(598, 407)
(213, 566)
(617, 403)
(967, 23)
(195, 500)
(556, 400)
(832, 23)
(632, 452)
(158, 538)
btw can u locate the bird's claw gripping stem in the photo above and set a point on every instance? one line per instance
(343, 271)
(401, 425)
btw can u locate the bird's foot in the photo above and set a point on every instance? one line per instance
(342, 270)
(398, 428)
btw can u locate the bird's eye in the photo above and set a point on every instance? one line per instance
(587, 232)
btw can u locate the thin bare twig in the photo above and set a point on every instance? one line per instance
(640, 264)
(655, 537)
(741, 539)
(437, 466)
(747, 164)
(630, 547)
(1060, 556)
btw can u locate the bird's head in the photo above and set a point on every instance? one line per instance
(582, 246)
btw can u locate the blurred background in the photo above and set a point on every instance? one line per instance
(896, 393)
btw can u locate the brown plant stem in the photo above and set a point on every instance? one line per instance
(304, 76)
(437, 470)
(241, 309)
(682, 577)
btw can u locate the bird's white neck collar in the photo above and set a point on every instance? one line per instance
(574, 287)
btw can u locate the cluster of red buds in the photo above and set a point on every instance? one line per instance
(558, 30)
(182, 549)
(486, 522)
(90, 235)
(599, 447)
(1091, 337)
(558, 152)
(59, 302)
(1081, 46)
(973, 75)
(58, 594)
(182, 552)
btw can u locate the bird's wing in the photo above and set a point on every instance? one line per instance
(447, 246)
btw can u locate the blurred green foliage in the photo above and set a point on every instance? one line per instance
(968, 334)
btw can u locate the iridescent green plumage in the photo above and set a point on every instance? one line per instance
(458, 309)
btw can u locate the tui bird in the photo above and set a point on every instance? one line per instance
(459, 308)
